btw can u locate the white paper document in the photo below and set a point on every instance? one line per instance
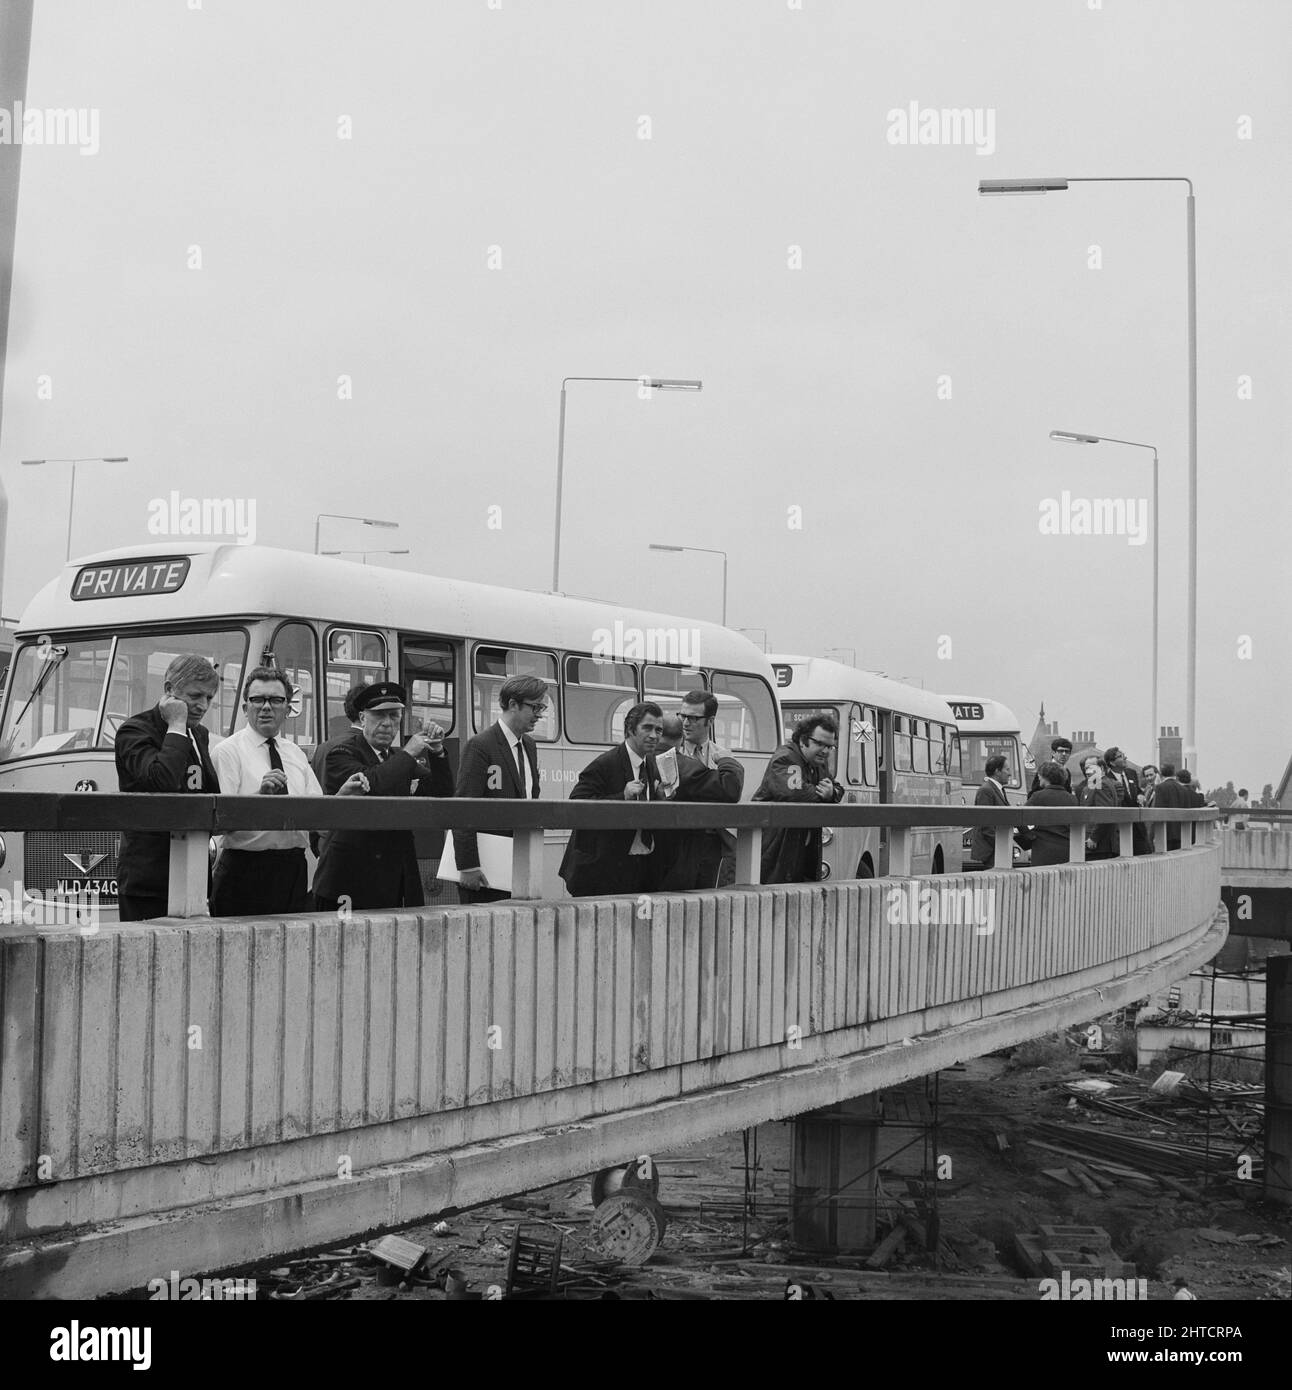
(495, 860)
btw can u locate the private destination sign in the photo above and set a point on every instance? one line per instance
(126, 578)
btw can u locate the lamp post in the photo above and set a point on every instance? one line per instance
(1068, 436)
(363, 554)
(701, 550)
(1058, 185)
(343, 516)
(654, 383)
(71, 496)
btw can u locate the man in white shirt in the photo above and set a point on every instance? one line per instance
(263, 872)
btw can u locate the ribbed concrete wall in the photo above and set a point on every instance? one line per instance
(1257, 849)
(141, 1045)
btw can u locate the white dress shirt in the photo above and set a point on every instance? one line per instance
(241, 763)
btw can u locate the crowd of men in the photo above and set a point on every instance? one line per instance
(671, 758)
(1108, 780)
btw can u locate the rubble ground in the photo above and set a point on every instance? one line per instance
(996, 1183)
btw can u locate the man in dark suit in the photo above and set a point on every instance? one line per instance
(798, 772)
(991, 793)
(1168, 794)
(602, 862)
(1060, 752)
(501, 762)
(1126, 785)
(164, 749)
(378, 868)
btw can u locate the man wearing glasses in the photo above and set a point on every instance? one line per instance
(795, 773)
(263, 872)
(378, 868)
(501, 762)
(716, 857)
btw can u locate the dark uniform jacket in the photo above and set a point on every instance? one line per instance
(792, 855)
(1169, 794)
(1105, 835)
(489, 750)
(598, 862)
(376, 868)
(149, 759)
(1037, 784)
(1050, 842)
(982, 848)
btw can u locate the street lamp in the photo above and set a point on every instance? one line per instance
(1056, 185)
(363, 554)
(343, 516)
(654, 383)
(1070, 438)
(71, 496)
(701, 550)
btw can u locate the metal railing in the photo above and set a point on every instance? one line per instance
(191, 820)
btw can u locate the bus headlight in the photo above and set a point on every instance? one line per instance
(827, 836)
(4, 851)
(825, 872)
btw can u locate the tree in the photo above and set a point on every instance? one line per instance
(1267, 796)
(1223, 796)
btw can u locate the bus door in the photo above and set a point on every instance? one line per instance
(862, 765)
(355, 656)
(427, 667)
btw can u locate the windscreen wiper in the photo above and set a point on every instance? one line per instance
(53, 660)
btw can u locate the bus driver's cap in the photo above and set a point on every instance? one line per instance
(380, 696)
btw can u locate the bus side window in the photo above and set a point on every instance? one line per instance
(426, 673)
(354, 657)
(493, 665)
(597, 696)
(295, 650)
(881, 718)
(901, 743)
(746, 719)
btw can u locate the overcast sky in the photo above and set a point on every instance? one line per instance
(880, 347)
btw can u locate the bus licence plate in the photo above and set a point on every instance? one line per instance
(96, 887)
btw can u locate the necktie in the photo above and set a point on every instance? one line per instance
(275, 760)
(197, 756)
(519, 750)
(643, 840)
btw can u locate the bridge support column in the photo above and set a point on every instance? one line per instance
(834, 1176)
(190, 861)
(749, 855)
(1278, 1080)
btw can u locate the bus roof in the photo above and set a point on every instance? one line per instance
(813, 679)
(975, 714)
(247, 581)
